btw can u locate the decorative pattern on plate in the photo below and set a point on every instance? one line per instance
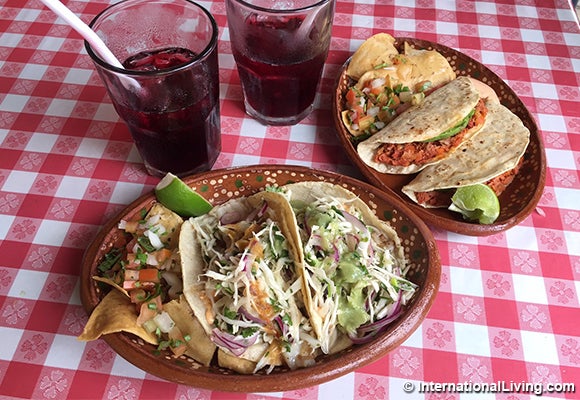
(519, 199)
(221, 185)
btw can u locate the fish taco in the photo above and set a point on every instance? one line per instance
(353, 263)
(242, 281)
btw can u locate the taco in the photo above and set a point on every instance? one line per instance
(493, 158)
(241, 279)
(428, 132)
(353, 264)
(388, 89)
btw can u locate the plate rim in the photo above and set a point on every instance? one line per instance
(441, 222)
(123, 344)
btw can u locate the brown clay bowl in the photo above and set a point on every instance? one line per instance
(519, 199)
(220, 185)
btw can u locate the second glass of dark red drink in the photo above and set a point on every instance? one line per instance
(168, 91)
(280, 48)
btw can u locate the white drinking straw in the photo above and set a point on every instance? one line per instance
(89, 35)
(84, 30)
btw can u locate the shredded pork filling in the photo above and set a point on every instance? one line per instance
(419, 153)
(442, 198)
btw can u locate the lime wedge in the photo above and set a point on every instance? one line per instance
(174, 194)
(476, 203)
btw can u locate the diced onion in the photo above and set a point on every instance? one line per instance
(164, 322)
(406, 96)
(373, 111)
(150, 326)
(152, 260)
(378, 82)
(154, 239)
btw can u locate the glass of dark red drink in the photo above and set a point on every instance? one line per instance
(280, 47)
(168, 89)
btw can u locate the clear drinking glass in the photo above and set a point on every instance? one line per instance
(280, 48)
(168, 95)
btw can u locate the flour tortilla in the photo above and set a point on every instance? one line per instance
(496, 149)
(440, 111)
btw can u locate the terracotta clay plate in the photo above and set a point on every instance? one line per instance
(221, 185)
(518, 200)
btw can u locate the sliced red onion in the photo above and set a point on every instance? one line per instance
(336, 253)
(355, 222)
(230, 217)
(263, 210)
(381, 323)
(236, 344)
(283, 327)
(250, 316)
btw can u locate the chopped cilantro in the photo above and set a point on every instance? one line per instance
(109, 260)
(145, 243)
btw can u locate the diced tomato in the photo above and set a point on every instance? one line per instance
(351, 97)
(163, 255)
(131, 226)
(138, 296)
(149, 310)
(178, 342)
(149, 275)
(394, 102)
(132, 262)
(131, 275)
(377, 90)
(131, 285)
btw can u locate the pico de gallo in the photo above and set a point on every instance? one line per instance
(145, 266)
(371, 107)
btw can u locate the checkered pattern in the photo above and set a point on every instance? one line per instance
(508, 308)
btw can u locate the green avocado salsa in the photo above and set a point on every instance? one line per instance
(453, 131)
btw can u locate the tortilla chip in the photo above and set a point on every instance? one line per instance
(412, 70)
(226, 360)
(376, 50)
(111, 283)
(170, 221)
(115, 313)
(199, 347)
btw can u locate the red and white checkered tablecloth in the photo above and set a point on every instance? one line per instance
(508, 307)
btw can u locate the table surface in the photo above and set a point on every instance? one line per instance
(508, 306)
